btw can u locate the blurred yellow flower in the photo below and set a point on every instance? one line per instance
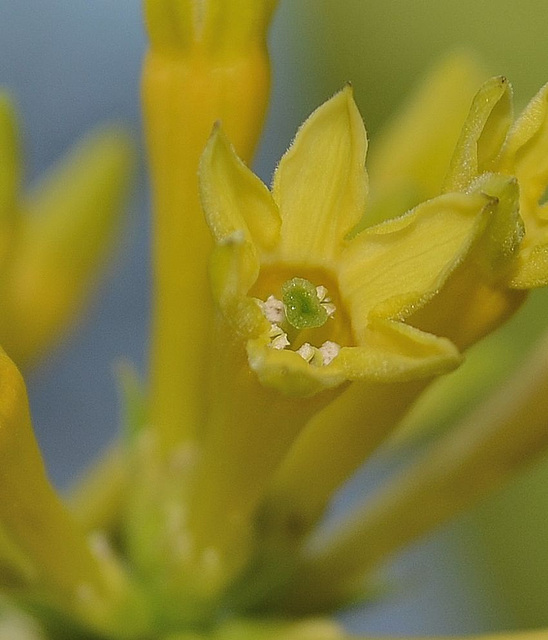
(53, 240)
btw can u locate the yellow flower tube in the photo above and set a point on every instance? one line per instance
(207, 62)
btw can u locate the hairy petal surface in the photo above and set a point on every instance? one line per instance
(320, 185)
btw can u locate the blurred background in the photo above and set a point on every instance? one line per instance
(72, 64)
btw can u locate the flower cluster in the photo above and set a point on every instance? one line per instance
(293, 329)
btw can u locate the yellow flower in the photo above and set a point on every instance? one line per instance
(507, 163)
(491, 142)
(45, 556)
(53, 239)
(375, 280)
(491, 148)
(319, 346)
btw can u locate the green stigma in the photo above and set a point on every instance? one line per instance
(303, 309)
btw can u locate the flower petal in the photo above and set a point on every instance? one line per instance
(321, 184)
(501, 243)
(395, 351)
(392, 351)
(285, 370)
(235, 26)
(228, 27)
(525, 153)
(531, 268)
(482, 278)
(170, 23)
(394, 268)
(483, 134)
(233, 198)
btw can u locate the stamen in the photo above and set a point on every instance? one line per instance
(321, 292)
(329, 350)
(308, 352)
(278, 337)
(325, 300)
(273, 310)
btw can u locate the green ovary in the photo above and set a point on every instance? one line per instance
(303, 308)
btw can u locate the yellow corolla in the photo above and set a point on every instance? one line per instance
(316, 304)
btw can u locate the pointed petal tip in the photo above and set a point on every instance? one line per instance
(217, 135)
(232, 197)
(347, 93)
(348, 88)
(218, 146)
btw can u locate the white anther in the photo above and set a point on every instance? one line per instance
(325, 300)
(329, 307)
(329, 350)
(274, 310)
(307, 351)
(321, 292)
(278, 337)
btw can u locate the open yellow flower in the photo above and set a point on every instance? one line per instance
(324, 336)
(285, 257)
